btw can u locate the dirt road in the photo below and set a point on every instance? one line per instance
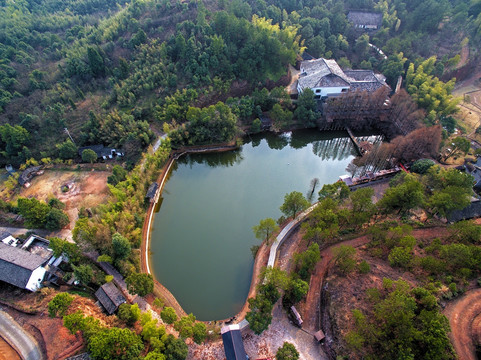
(463, 314)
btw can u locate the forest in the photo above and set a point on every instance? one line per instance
(111, 72)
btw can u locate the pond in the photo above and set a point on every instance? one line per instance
(202, 235)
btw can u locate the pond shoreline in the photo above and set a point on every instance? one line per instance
(160, 290)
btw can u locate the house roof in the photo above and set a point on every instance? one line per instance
(233, 345)
(16, 265)
(100, 150)
(4, 235)
(327, 73)
(365, 18)
(471, 211)
(110, 297)
(321, 72)
(152, 190)
(27, 174)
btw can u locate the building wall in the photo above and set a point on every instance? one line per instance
(327, 91)
(36, 279)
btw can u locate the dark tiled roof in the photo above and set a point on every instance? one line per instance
(27, 174)
(327, 73)
(84, 356)
(365, 18)
(152, 190)
(100, 150)
(233, 345)
(4, 234)
(110, 297)
(332, 80)
(471, 211)
(16, 265)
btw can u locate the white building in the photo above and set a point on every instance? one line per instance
(325, 78)
(25, 266)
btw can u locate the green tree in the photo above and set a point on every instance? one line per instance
(362, 205)
(185, 326)
(56, 219)
(199, 332)
(121, 247)
(336, 191)
(129, 313)
(63, 247)
(96, 61)
(141, 284)
(403, 197)
(115, 343)
(421, 166)
(264, 230)
(33, 211)
(175, 349)
(296, 291)
(88, 155)
(306, 261)
(168, 315)
(67, 150)
(59, 304)
(118, 174)
(344, 256)
(287, 352)
(259, 315)
(74, 322)
(305, 112)
(83, 273)
(466, 232)
(459, 145)
(294, 202)
(400, 257)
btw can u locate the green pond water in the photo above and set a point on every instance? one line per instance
(200, 245)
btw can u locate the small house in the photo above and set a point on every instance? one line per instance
(365, 19)
(319, 336)
(102, 152)
(151, 192)
(28, 174)
(8, 239)
(21, 268)
(325, 78)
(297, 316)
(110, 297)
(233, 344)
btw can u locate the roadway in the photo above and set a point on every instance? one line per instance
(19, 339)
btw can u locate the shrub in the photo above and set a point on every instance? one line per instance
(59, 304)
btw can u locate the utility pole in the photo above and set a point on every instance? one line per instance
(68, 133)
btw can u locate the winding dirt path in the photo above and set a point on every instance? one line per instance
(463, 315)
(311, 309)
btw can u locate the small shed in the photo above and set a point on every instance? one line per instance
(319, 336)
(233, 344)
(110, 297)
(152, 191)
(365, 19)
(28, 174)
(297, 316)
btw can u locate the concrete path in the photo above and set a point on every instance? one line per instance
(20, 340)
(285, 232)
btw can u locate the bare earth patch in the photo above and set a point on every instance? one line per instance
(87, 189)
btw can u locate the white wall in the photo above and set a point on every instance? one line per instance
(326, 91)
(35, 279)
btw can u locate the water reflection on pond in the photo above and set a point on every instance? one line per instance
(203, 231)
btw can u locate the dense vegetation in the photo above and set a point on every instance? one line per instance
(131, 65)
